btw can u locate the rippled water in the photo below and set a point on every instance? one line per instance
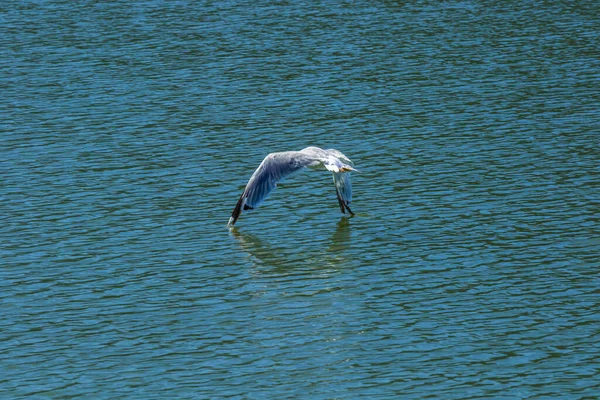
(129, 131)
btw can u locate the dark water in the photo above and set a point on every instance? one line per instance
(128, 130)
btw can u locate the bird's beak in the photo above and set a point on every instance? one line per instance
(348, 169)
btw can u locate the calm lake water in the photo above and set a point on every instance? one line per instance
(470, 270)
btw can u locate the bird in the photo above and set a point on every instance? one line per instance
(278, 166)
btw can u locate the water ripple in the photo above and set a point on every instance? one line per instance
(469, 269)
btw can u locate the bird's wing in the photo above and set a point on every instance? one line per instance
(343, 190)
(274, 168)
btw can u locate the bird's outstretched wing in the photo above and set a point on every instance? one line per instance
(274, 168)
(343, 190)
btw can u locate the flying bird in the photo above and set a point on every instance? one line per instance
(277, 166)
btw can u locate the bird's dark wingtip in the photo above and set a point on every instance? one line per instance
(343, 205)
(237, 211)
(340, 201)
(349, 210)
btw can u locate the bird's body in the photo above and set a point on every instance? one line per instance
(277, 166)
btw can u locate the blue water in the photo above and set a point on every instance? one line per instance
(128, 131)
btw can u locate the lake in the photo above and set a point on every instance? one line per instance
(470, 269)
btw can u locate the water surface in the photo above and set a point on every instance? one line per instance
(129, 131)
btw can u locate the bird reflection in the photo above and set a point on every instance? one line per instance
(296, 255)
(340, 240)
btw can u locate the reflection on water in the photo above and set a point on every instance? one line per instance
(281, 256)
(340, 240)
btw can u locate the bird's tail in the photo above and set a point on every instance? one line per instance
(338, 154)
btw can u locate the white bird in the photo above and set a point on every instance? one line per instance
(277, 166)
